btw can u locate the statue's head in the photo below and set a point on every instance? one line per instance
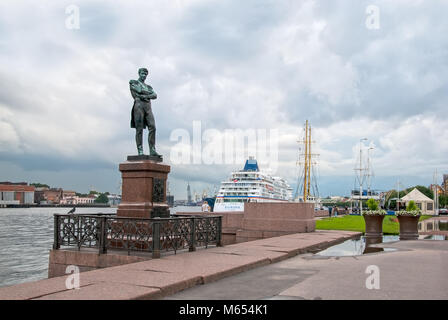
(142, 73)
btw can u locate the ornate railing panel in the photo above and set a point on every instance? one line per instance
(132, 234)
(129, 234)
(80, 231)
(176, 234)
(207, 231)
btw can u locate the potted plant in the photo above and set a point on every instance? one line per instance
(408, 220)
(374, 220)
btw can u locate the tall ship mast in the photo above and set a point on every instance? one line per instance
(363, 175)
(307, 189)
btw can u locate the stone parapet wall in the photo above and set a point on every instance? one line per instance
(321, 213)
(265, 220)
(59, 260)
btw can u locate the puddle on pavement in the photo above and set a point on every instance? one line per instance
(357, 247)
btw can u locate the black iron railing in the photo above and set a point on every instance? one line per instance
(107, 231)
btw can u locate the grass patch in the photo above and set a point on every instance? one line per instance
(356, 223)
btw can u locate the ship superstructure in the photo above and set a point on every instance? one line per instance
(251, 185)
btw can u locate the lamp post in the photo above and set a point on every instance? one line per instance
(369, 174)
(360, 174)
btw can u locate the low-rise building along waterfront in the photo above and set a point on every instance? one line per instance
(16, 193)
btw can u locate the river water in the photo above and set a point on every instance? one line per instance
(26, 238)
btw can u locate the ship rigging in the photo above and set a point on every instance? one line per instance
(307, 189)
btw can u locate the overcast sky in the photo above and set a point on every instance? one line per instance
(269, 65)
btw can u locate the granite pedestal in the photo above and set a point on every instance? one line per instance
(143, 188)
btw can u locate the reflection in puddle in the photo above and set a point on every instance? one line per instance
(432, 225)
(434, 237)
(357, 247)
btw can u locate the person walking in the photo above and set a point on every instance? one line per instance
(205, 206)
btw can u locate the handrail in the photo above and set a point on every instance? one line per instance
(107, 231)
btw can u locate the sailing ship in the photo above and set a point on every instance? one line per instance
(363, 176)
(307, 189)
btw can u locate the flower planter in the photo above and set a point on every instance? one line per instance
(374, 226)
(408, 227)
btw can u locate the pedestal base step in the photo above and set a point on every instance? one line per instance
(145, 157)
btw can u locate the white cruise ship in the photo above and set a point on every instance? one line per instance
(251, 185)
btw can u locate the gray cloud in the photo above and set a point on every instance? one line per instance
(48, 162)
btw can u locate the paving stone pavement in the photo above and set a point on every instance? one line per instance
(416, 270)
(157, 278)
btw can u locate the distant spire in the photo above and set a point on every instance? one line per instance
(188, 193)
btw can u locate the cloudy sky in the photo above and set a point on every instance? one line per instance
(254, 64)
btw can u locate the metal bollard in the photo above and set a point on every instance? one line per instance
(56, 244)
(156, 239)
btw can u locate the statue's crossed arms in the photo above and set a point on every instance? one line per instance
(142, 90)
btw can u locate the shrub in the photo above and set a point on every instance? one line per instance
(373, 209)
(372, 204)
(411, 206)
(411, 210)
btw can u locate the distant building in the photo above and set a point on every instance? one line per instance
(189, 200)
(180, 202)
(68, 194)
(437, 187)
(445, 184)
(16, 193)
(48, 195)
(425, 204)
(85, 200)
(93, 196)
(114, 199)
(74, 200)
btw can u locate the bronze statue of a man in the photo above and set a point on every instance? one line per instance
(141, 115)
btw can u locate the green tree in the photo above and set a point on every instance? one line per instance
(443, 201)
(102, 198)
(40, 185)
(81, 195)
